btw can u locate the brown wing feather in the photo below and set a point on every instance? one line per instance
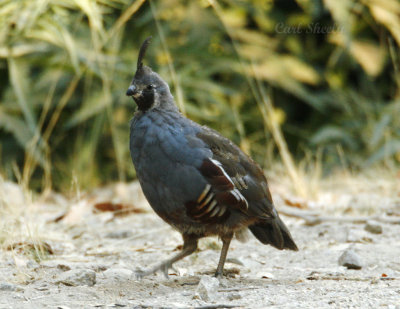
(219, 196)
(225, 191)
(242, 170)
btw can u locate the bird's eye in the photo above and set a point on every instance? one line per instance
(149, 87)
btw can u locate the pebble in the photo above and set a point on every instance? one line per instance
(234, 296)
(350, 259)
(373, 227)
(63, 267)
(207, 289)
(265, 275)
(9, 287)
(77, 277)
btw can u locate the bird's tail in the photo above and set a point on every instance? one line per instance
(275, 233)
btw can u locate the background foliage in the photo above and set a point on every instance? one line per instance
(326, 74)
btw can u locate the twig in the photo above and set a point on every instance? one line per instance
(339, 278)
(217, 306)
(312, 218)
(239, 289)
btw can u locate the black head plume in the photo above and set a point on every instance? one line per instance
(147, 88)
(142, 53)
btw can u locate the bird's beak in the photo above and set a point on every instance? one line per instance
(131, 90)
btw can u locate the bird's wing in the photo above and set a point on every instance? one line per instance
(234, 182)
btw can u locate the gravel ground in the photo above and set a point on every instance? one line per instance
(94, 255)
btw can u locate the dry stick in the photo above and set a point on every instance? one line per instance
(312, 218)
(238, 289)
(216, 306)
(338, 278)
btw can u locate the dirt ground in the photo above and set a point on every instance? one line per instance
(90, 254)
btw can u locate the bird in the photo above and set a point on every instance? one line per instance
(195, 179)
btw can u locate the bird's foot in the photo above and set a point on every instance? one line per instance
(218, 274)
(139, 274)
(164, 267)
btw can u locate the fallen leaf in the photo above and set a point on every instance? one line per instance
(118, 209)
(295, 202)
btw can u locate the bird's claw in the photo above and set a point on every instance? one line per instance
(164, 268)
(140, 274)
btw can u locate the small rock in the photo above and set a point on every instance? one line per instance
(63, 267)
(234, 296)
(9, 287)
(373, 227)
(118, 274)
(265, 275)
(208, 288)
(56, 264)
(119, 234)
(350, 259)
(116, 305)
(234, 261)
(77, 277)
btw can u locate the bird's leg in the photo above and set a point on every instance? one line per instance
(189, 246)
(226, 240)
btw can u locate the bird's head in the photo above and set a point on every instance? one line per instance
(147, 88)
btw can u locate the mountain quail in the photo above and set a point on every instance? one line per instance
(196, 180)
